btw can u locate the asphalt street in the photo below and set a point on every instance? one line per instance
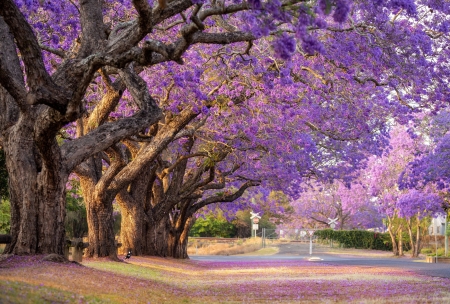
(322, 254)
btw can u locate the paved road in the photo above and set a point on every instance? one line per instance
(299, 251)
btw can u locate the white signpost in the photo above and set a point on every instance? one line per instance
(332, 222)
(255, 220)
(311, 232)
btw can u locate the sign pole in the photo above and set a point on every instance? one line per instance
(310, 245)
(446, 236)
(311, 232)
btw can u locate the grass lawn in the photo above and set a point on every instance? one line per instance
(158, 280)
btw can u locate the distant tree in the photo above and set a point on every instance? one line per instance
(351, 206)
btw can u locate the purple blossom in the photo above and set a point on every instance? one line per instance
(256, 4)
(284, 46)
(341, 11)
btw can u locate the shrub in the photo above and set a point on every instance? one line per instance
(213, 226)
(357, 238)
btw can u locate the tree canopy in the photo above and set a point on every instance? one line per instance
(170, 106)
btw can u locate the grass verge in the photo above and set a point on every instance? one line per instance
(158, 280)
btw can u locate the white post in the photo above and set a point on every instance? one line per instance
(446, 236)
(310, 244)
(435, 236)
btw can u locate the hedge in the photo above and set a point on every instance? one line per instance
(357, 238)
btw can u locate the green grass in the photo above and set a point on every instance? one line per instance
(19, 292)
(135, 271)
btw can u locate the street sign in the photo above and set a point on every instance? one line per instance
(254, 215)
(311, 232)
(332, 222)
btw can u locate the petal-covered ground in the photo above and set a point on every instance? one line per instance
(157, 280)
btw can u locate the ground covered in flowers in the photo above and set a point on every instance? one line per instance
(157, 280)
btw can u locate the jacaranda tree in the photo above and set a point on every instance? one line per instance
(55, 55)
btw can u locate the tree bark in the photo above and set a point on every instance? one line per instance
(156, 234)
(177, 241)
(418, 239)
(400, 242)
(37, 193)
(392, 234)
(132, 225)
(101, 236)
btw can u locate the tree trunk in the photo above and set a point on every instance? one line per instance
(101, 236)
(414, 239)
(132, 230)
(400, 242)
(156, 234)
(418, 244)
(178, 239)
(394, 243)
(37, 193)
(393, 238)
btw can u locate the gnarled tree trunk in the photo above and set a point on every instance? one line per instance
(177, 239)
(132, 229)
(37, 190)
(99, 212)
(156, 234)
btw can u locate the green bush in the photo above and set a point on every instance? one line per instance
(213, 226)
(5, 217)
(426, 251)
(357, 238)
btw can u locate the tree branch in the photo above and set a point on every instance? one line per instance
(77, 150)
(106, 105)
(145, 14)
(92, 27)
(222, 38)
(138, 89)
(179, 161)
(148, 153)
(118, 161)
(42, 88)
(224, 198)
(57, 52)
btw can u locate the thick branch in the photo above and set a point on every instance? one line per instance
(14, 87)
(222, 38)
(75, 151)
(179, 161)
(151, 151)
(219, 198)
(131, 34)
(138, 89)
(145, 14)
(42, 88)
(92, 27)
(106, 105)
(118, 161)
